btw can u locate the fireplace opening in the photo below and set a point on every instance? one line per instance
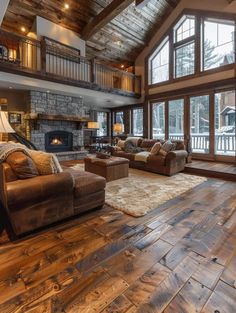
(58, 141)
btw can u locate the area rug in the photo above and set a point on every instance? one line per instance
(143, 192)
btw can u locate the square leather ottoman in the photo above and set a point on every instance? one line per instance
(111, 169)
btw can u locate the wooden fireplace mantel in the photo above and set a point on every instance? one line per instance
(52, 117)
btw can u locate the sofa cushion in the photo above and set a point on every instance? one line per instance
(123, 154)
(86, 183)
(22, 165)
(147, 144)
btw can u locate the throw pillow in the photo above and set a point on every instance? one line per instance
(45, 162)
(156, 148)
(167, 146)
(116, 148)
(22, 165)
(162, 152)
(121, 144)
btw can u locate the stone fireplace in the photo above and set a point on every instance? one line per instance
(69, 132)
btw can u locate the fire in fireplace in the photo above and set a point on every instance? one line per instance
(58, 141)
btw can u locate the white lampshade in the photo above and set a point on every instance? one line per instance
(93, 125)
(5, 127)
(118, 128)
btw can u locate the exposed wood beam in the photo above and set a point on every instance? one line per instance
(3, 9)
(104, 17)
(141, 3)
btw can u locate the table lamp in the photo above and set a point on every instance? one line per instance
(93, 125)
(5, 126)
(118, 128)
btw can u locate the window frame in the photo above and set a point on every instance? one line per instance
(199, 17)
(211, 92)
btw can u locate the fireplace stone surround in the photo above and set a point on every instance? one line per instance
(55, 104)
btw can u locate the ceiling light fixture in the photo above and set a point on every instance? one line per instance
(23, 29)
(122, 66)
(66, 6)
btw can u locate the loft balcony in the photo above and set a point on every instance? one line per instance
(50, 60)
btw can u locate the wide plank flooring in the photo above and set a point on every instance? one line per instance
(180, 258)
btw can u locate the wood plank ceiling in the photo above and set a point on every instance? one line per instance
(119, 41)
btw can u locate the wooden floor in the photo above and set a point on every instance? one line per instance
(212, 169)
(180, 258)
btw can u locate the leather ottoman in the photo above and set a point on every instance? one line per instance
(111, 169)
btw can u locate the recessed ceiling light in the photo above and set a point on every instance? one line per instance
(23, 29)
(66, 6)
(122, 66)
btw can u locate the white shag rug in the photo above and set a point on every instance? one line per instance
(143, 192)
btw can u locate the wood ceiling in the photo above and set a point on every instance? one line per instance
(118, 41)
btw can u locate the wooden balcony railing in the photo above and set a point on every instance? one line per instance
(51, 60)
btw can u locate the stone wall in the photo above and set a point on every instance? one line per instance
(48, 103)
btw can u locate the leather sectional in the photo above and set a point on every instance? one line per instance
(170, 164)
(42, 200)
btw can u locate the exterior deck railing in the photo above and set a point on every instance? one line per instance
(225, 143)
(51, 60)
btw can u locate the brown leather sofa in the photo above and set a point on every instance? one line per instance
(170, 164)
(42, 200)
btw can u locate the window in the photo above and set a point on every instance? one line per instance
(138, 122)
(184, 60)
(102, 120)
(160, 63)
(176, 119)
(218, 43)
(185, 28)
(225, 123)
(199, 124)
(158, 120)
(177, 56)
(119, 117)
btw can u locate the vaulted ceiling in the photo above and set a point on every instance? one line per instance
(126, 31)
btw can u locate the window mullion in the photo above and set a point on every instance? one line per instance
(198, 45)
(171, 56)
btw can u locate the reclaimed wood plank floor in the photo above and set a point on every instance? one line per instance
(180, 258)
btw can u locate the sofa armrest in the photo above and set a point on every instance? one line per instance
(28, 191)
(176, 154)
